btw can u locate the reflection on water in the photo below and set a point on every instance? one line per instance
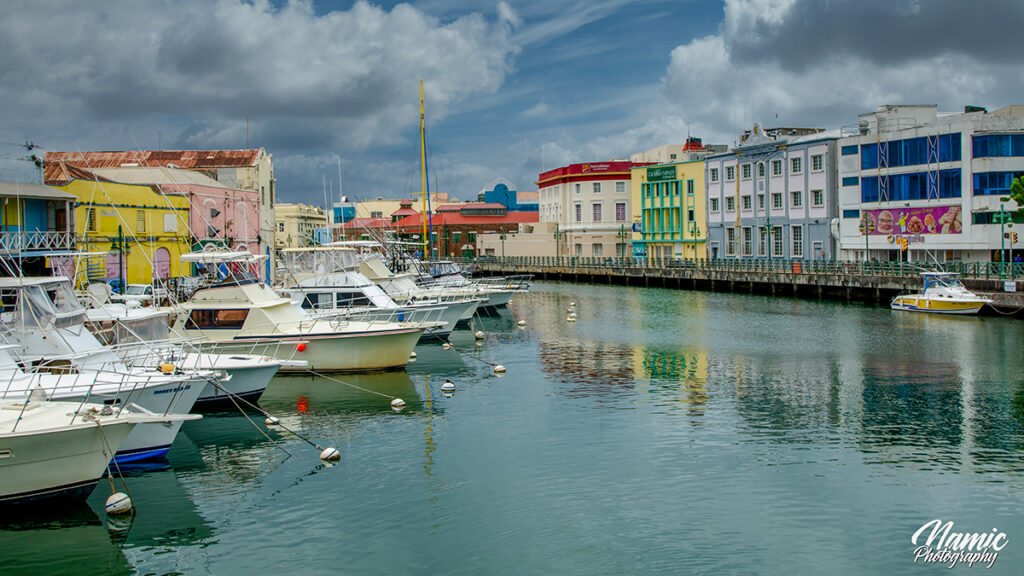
(663, 429)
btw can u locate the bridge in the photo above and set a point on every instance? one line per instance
(871, 282)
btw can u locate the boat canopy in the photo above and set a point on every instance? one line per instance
(41, 302)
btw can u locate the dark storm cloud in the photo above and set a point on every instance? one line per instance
(812, 32)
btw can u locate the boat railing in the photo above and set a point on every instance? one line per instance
(399, 315)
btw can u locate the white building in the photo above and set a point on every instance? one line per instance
(930, 182)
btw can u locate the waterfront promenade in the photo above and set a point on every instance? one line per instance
(871, 282)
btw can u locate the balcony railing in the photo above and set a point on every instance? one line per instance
(11, 242)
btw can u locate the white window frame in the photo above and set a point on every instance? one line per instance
(797, 234)
(730, 241)
(620, 187)
(730, 173)
(817, 198)
(714, 174)
(776, 167)
(817, 163)
(578, 212)
(797, 198)
(625, 212)
(579, 187)
(747, 203)
(595, 187)
(778, 246)
(714, 204)
(748, 243)
(779, 204)
(796, 165)
(597, 209)
(730, 204)
(746, 171)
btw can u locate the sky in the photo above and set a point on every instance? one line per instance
(512, 88)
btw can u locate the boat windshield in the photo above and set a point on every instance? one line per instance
(136, 289)
(43, 305)
(323, 261)
(944, 282)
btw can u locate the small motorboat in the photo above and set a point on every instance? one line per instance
(943, 294)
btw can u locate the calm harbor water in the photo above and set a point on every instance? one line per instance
(663, 432)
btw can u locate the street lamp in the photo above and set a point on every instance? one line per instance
(622, 234)
(865, 227)
(1003, 217)
(502, 236)
(558, 242)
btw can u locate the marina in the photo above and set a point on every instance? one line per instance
(681, 437)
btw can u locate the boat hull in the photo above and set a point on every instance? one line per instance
(918, 303)
(63, 464)
(339, 352)
(248, 377)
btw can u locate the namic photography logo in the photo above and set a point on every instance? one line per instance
(937, 543)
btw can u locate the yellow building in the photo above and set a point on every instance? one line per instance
(154, 231)
(669, 202)
(296, 225)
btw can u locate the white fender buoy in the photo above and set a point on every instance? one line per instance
(499, 369)
(569, 309)
(573, 304)
(479, 335)
(412, 355)
(448, 386)
(446, 345)
(271, 421)
(398, 404)
(571, 318)
(119, 503)
(330, 455)
(573, 314)
(521, 323)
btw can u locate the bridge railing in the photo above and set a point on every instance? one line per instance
(986, 270)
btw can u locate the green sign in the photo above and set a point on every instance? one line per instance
(661, 173)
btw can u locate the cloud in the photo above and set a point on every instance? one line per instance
(540, 109)
(804, 62)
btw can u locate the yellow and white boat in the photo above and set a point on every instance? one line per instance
(943, 294)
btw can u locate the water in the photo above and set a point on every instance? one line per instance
(663, 432)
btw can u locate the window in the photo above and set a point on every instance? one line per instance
(817, 198)
(819, 250)
(620, 187)
(747, 244)
(777, 240)
(376, 214)
(672, 156)
(578, 187)
(850, 150)
(675, 188)
(597, 187)
(798, 198)
(851, 181)
(746, 171)
(760, 169)
(730, 173)
(998, 145)
(730, 204)
(760, 201)
(596, 211)
(578, 249)
(762, 234)
(912, 151)
(471, 237)
(817, 163)
(647, 190)
(689, 215)
(798, 241)
(456, 236)
(746, 202)
(90, 219)
(140, 220)
(579, 212)
(280, 226)
(730, 241)
(217, 319)
(714, 204)
(689, 187)
(598, 250)
(994, 183)
(714, 174)
(620, 211)
(776, 199)
(851, 213)
(776, 167)
(796, 167)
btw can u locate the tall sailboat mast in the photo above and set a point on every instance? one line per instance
(428, 251)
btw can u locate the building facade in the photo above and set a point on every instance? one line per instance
(297, 225)
(773, 196)
(591, 204)
(673, 223)
(922, 186)
(36, 224)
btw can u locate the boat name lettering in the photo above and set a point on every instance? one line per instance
(169, 390)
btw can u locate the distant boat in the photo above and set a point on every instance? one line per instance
(943, 294)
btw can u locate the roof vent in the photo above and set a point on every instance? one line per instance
(130, 165)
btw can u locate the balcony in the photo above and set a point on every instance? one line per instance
(13, 242)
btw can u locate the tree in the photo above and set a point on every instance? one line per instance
(1017, 192)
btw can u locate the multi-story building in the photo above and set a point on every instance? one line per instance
(249, 169)
(773, 192)
(297, 224)
(135, 233)
(920, 185)
(671, 153)
(669, 200)
(591, 205)
(36, 225)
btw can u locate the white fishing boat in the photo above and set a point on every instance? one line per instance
(943, 294)
(445, 273)
(241, 311)
(60, 449)
(403, 288)
(325, 281)
(120, 325)
(45, 323)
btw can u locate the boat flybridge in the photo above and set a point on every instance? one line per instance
(403, 286)
(943, 294)
(120, 324)
(236, 310)
(44, 324)
(52, 450)
(325, 280)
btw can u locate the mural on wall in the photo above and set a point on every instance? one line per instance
(928, 220)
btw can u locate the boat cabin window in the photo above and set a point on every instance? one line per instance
(217, 319)
(351, 299)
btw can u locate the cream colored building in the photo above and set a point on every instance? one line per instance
(533, 239)
(295, 224)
